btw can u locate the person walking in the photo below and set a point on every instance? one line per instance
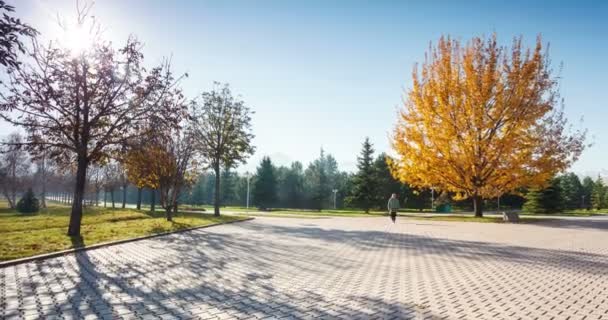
(393, 206)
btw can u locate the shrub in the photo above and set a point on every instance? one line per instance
(28, 203)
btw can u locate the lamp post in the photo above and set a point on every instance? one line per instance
(335, 191)
(432, 198)
(247, 175)
(498, 203)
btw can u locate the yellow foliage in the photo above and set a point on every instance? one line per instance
(482, 120)
(146, 165)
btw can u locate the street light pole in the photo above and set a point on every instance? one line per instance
(498, 203)
(335, 191)
(247, 175)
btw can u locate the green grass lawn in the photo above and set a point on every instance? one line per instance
(28, 235)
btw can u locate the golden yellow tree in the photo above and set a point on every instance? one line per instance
(482, 120)
(144, 165)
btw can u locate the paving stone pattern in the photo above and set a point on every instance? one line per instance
(336, 268)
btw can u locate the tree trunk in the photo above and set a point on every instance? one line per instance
(138, 198)
(175, 207)
(216, 202)
(478, 206)
(43, 173)
(124, 195)
(76, 215)
(105, 197)
(112, 199)
(168, 213)
(152, 200)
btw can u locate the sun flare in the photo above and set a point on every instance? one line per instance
(78, 38)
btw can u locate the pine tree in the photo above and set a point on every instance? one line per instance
(545, 200)
(553, 200)
(197, 197)
(293, 186)
(265, 190)
(364, 182)
(598, 197)
(318, 181)
(228, 187)
(28, 203)
(588, 186)
(387, 185)
(572, 190)
(533, 202)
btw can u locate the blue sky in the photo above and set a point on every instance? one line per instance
(329, 73)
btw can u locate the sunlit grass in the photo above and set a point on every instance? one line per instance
(27, 235)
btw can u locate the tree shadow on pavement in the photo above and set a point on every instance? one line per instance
(426, 245)
(251, 269)
(587, 223)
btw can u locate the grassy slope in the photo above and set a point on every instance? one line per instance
(22, 236)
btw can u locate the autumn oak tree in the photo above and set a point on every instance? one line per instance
(482, 120)
(81, 106)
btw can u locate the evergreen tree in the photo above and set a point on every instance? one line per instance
(197, 197)
(387, 185)
(317, 180)
(343, 184)
(28, 203)
(241, 190)
(364, 182)
(533, 202)
(265, 191)
(210, 188)
(420, 199)
(598, 197)
(572, 190)
(228, 187)
(547, 200)
(292, 186)
(588, 186)
(553, 197)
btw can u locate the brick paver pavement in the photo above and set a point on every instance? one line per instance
(336, 268)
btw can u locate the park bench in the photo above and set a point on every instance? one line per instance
(512, 217)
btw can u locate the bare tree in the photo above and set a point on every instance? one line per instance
(15, 165)
(43, 169)
(179, 169)
(222, 127)
(111, 176)
(83, 106)
(95, 177)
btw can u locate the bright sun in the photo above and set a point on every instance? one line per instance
(77, 39)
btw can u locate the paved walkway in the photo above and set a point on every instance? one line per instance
(329, 268)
